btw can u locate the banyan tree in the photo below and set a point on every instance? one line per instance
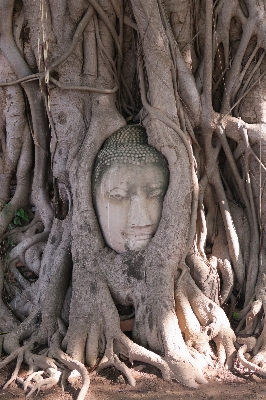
(132, 170)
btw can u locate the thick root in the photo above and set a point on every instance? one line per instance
(44, 363)
(34, 375)
(34, 361)
(56, 352)
(252, 317)
(115, 362)
(134, 352)
(47, 383)
(248, 364)
(185, 372)
(16, 371)
(258, 348)
(177, 368)
(191, 302)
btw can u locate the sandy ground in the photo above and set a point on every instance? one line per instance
(238, 384)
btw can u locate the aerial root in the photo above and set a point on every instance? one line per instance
(16, 371)
(247, 364)
(40, 364)
(26, 384)
(56, 353)
(46, 383)
(139, 353)
(170, 367)
(201, 359)
(115, 362)
(252, 317)
(65, 375)
(16, 353)
(132, 351)
(35, 362)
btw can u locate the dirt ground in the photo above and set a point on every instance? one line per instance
(238, 384)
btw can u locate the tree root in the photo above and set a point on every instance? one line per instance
(248, 364)
(42, 363)
(16, 371)
(194, 307)
(251, 317)
(26, 384)
(56, 352)
(176, 368)
(135, 352)
(115, 362)
(21, 248)
(47, 383)
(12, 356)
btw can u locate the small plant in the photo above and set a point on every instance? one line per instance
(20, 215)
(11, 244)
(235, 315)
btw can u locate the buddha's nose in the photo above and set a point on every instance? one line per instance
(138, 215)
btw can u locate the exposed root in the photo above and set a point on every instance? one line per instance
(16, 371)
(22, 247)
(195, 309)
(46, 383)
(243, 313)
(12, 356)
(21, 382)
(37, 361)
(176, 368)
(40, 364)
(26, 384)
(202, 359)
(252, 317)
(56, 352)
(115, 362)
(135, 352)
(65, 375)
(248, 364)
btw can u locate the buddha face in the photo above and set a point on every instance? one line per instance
(129, 201)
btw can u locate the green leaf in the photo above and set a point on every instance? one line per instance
(20, 215)
(11, 243)
(235, 315)
(17, 221)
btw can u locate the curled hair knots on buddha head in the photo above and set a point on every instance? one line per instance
(128, 145)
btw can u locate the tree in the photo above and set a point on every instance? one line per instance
(192, 73)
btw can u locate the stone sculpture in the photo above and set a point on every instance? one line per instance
(129, 182)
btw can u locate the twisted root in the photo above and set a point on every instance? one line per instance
(247, 364)
(47, 383)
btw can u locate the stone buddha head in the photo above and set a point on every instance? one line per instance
(129, 181)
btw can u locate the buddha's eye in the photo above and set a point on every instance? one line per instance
(155, 193)
(117, 194)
